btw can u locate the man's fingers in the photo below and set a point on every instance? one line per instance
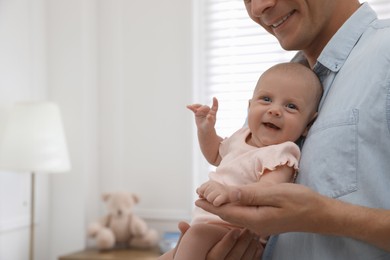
(244, 243)
(183, 226)
(254, 250)
(240, 215)
(253, 195)
(231, 213)
(223, 247)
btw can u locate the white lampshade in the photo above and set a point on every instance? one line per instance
(34, 139)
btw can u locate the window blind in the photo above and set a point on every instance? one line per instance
(382, 7)
(235, 52)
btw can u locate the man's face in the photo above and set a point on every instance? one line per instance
(297, 24)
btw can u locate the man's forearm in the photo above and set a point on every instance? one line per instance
(366, 224)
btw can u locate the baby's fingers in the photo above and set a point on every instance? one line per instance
(219, 200)
(214, 107)
(205, 189)
(201, 190)
(215, 198)
(194, 107)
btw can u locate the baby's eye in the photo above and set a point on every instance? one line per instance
(292, 106)
(266, 99)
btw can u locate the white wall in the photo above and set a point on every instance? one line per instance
(121, 73)
(72, 80)
(23, 76)
(145, 83)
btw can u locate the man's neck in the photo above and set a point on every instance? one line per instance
(345, 9)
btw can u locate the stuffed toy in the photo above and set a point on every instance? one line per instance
(121, 227)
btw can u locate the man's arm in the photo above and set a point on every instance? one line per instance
(290, 207)
(366, 224)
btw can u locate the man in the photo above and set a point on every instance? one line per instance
(344, 212)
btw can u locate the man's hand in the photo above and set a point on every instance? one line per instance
(271, 209)
(234, 245)
(183, 227)
(237, 244)
(289, 207)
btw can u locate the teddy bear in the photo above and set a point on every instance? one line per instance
(121, 227)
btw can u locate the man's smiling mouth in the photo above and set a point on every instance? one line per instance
(280, 22)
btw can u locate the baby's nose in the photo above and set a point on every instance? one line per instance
(274, 111)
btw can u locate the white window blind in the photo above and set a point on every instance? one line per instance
(235, 51)
(231, 52)
(382, 7)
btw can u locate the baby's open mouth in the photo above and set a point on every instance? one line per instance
(270, 125)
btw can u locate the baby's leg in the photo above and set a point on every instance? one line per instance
(198, 240)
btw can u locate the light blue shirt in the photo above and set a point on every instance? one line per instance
(346, 154)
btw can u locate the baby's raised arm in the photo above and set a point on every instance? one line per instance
(209, 141)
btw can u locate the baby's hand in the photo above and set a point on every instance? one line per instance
(205, 117)
(214, 192)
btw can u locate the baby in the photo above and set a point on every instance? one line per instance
(281, 110)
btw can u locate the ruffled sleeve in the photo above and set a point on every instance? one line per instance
(287, 153)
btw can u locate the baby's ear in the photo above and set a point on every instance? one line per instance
(313, 118)
(249, 103)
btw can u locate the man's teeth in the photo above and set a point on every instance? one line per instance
(275, 25)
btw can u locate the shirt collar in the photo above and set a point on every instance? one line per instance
(340, 46)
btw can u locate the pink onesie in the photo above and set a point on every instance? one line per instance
(244, 164)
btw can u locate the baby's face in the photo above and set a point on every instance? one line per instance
(282, 106)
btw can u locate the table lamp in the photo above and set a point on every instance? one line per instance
(34, 142)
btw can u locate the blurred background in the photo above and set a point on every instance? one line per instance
(122, 72)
